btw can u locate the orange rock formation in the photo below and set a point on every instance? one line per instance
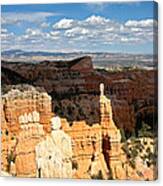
(25, 122)
(31, 149)
(87, 149)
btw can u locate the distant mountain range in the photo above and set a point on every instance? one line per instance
(100, 59)
(19, 52)
(29, 53)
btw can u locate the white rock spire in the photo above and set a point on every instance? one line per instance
(101, 89)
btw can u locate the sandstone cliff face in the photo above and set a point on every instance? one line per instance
(16, 103)
(87, 158)
(7, 141)
(31, 134)
(25, 122)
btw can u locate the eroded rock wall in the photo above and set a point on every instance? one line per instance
(87, 158)
(16, 103)
(31, 134)
(25, 122)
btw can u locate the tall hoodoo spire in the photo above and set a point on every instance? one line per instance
(105, 108)
(111, 134)
(106, 121)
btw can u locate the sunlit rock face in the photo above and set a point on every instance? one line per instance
(25, 122)
(56, 123)
(54, 156)
(87, 157)
(30, 135)
(111, 137)
(16, 103)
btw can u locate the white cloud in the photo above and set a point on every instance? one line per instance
(135, 29)
(97, 20)
(31, 36)
(55, 33)
(97, 29)
(5, 35)
(7, 39)
(76, 31)
(33, 32)
(130, 39)
(81, 34)
(3, 30)
(38, 36)
(93, 27)
(141, 23)
(64, 24)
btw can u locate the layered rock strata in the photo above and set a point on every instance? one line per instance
(30, 135)
(87, 158)
(25, 122)
(16, 103)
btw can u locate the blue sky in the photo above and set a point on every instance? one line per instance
(95, 27)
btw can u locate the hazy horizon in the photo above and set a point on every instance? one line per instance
(84, 52)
